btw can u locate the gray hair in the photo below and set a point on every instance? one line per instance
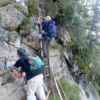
(21, 51)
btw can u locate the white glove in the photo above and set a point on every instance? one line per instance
(9, 64)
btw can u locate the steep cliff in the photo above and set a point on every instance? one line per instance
(12, 36)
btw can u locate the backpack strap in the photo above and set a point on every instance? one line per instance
(32, 63)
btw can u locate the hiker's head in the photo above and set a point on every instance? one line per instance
(21, 52)
(48, 18)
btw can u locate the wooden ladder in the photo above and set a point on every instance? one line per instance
(47, 65)
(46, 73)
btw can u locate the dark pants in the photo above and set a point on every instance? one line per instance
(46, 45)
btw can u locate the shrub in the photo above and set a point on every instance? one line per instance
(72, 91)
(57, 46)
(72, 60)
(33, 8)
(71, 43)
(50, 7)
(64, 48)
(25, 23)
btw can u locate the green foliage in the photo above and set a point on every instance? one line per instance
(81, 55)
(10, 80)
(32, 7)
(72, 60)
(72, 91)
(64, 48)
(55, 97)
(71, 43)
(81, 18)
(9, 36)
(50, 8)
(25, 23)
(57, 46)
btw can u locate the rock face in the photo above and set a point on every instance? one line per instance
(55, 61)
(10, 41)
(63, 35)
(10, 17)
(12, 91)
(22, 4)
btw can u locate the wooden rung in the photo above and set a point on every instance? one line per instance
(47, 75)
(46, 66)
(41, 17)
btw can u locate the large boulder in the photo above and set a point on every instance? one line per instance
(7, 50)
(2, 66)
(10, 17)
(20, 4)
(12, 91)
(53, 42)
(63, 35)
(4, 49)
(55, 61)
(29, 50)
(10, 37)
(33, 39)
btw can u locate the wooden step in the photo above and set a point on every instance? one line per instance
(47, 66)
(47, 75)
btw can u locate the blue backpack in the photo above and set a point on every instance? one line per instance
(51, 29)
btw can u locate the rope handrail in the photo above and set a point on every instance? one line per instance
(56, 85)
(61, 88)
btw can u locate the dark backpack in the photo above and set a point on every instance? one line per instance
(51, 29)
(35, 62)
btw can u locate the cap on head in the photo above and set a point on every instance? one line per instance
(21, 51)
(48, 18)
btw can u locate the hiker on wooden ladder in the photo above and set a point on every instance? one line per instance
(49, 32)
(33, 67)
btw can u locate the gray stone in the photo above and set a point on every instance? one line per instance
(2, 66)
(53, 42)
(10, 17)
(54, 52)
(33, 39)
(28, 49)
(12, 51)
(1, 81)
(63, 34)
(55, 61)
(11, 37)
(33, 21)
(11, 91)
(15, 39)
(20, 4)
(33, 43)
(19, 94)
(4, 49)
(4, 34)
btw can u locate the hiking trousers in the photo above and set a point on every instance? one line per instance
(33, 85)
(46, 45)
